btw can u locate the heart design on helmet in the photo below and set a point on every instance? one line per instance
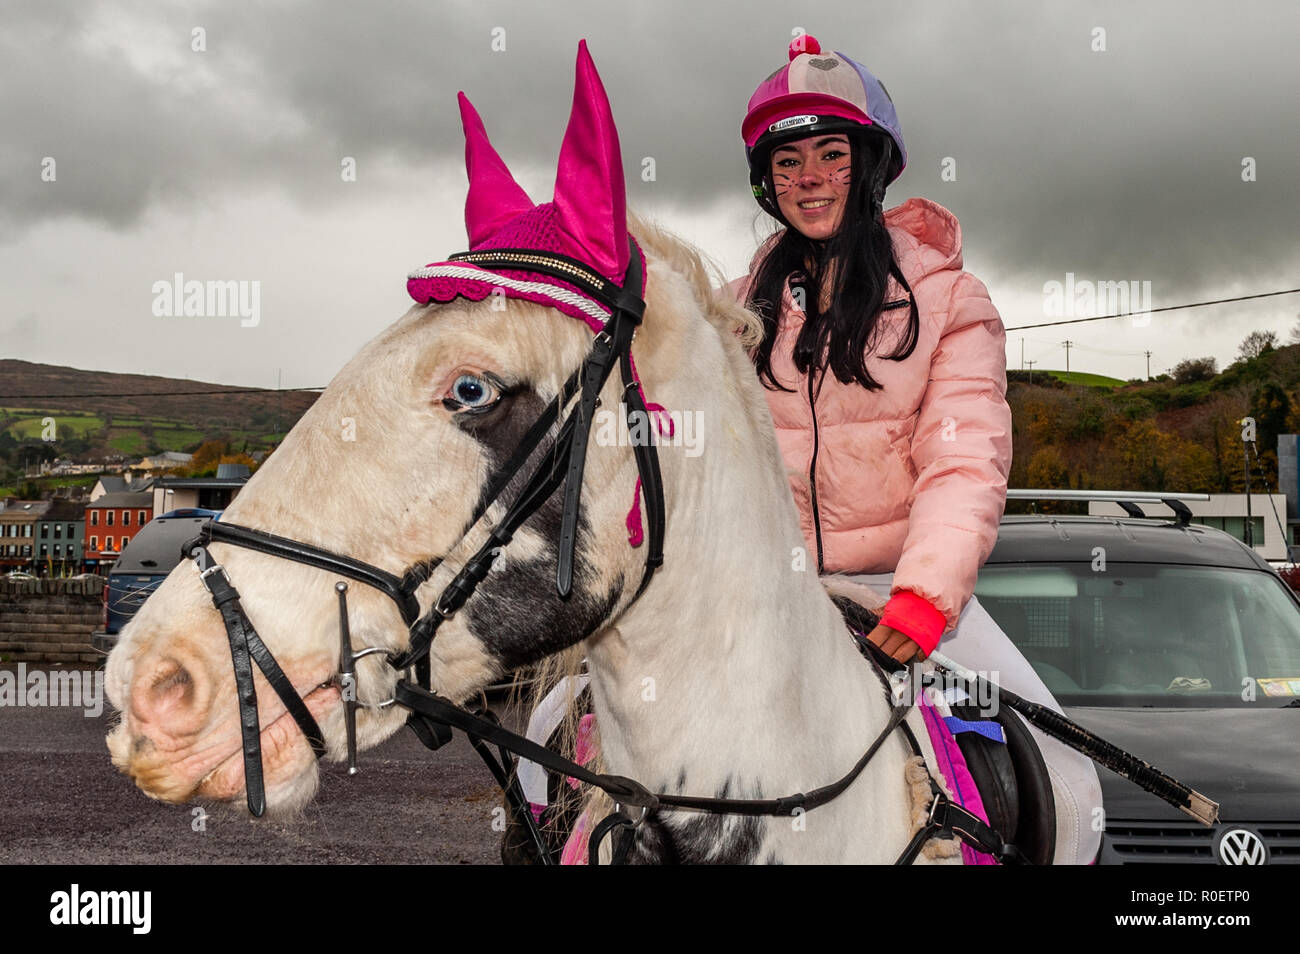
(826, 64)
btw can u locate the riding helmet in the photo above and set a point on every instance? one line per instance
(816, 92)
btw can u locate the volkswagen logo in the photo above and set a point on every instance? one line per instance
(1240, 846)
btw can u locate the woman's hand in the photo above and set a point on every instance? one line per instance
(896, 644)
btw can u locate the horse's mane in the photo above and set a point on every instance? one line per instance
(731, 319)
(703, 275)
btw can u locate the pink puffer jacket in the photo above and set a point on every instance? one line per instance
(911, 478)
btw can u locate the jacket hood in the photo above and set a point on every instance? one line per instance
(927, 237)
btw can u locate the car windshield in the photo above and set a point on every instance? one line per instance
(1149, 634)
(156, 549)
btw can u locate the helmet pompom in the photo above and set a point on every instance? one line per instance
(804, 43)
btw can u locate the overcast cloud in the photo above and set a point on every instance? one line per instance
(1122, 164)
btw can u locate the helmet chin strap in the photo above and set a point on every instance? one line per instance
(878, 177)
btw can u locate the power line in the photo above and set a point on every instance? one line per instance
(1109, 351)
(1152, 311)
(1044, 324)
(1056, 344)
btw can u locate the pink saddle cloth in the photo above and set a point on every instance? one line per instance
(952, 766)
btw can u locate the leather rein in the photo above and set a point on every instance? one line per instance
(431, 716)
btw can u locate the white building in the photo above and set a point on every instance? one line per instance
(1227, 512)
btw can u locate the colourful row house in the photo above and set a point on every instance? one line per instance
(111, 521)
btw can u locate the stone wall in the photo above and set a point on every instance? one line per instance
(50, 621)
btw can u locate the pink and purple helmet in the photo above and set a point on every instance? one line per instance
(816, 91)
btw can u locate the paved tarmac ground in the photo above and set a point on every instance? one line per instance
(63, 802)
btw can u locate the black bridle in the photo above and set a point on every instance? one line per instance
(432, 716)
(563, 462)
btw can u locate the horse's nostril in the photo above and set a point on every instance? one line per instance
(171, 673)
(171, 689)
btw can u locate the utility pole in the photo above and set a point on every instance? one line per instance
(1022, 354)
(1249, 534)
(1148, 354)
(1031, 371)
(1068, 346)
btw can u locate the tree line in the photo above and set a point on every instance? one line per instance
(1186, 431)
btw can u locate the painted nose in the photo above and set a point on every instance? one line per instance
(171, 697)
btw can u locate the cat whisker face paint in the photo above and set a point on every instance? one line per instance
(811, 180)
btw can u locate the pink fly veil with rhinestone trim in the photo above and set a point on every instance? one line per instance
(586, 220)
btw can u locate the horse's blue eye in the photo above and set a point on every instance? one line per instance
(471, 391)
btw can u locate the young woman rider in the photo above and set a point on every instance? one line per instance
(885, 369)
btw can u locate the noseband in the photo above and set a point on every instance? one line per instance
(563, 462)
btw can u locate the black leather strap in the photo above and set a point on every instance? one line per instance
(595, 372)
(246, 648)
(284, 689)
(624, 830)
(527, 445)
(285, 548)
(647, 463)
(543, 482)
(564, 461)
(612, 345)
(787, 805)
(948, 817)
(250, 728)
(435, 707)
(944, 816)
(433, 734)
(625, 790)
(503, 770)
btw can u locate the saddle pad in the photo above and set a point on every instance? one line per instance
(953, 768)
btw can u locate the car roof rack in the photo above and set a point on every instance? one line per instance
(1128, 500)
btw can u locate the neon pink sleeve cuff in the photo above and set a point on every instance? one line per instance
(915, 617)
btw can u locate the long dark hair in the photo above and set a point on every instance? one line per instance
(863, 258)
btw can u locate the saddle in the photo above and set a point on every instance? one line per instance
(1013, 783)
(1011, 777)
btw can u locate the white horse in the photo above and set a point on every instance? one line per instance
(732, 675)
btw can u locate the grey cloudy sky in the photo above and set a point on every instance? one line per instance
(1122, 164)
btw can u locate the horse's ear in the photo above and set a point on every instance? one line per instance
(494, 197)
(590, 197)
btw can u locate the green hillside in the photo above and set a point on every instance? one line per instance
(132, 437)
(1179, 432)
(49, 412)
(1084, 378)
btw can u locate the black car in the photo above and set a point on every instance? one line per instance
(142, 566)
(1179, 644)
